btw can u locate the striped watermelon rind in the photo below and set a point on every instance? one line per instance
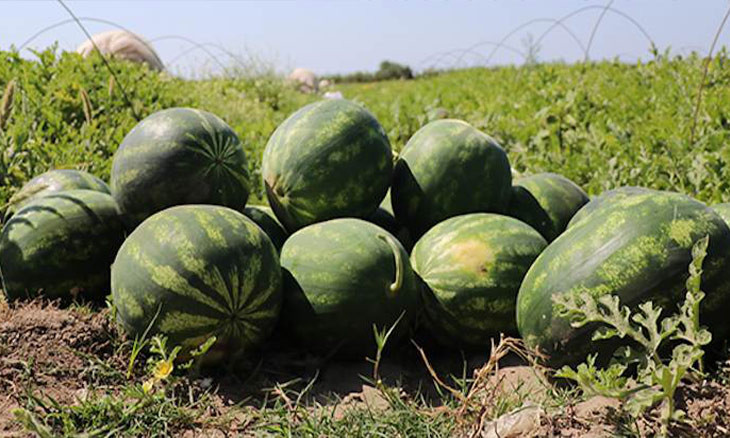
(196, 271)
(342, 277)
(179, 156)
(449, 168)
(723, 210)
(636, 247)
(60, 246)
(329, 159)
(473, 266)
(265, 218)
(51, 182)
(384, 219)
(599, 201)
(547, 202)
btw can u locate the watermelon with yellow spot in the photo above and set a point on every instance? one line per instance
(449, 168)
(473, 266)
(342, 277)
(329, 159)
(547, 202)
(51, 182)
(635, 246)
(179, 156)
(199, 271)
(60, 246)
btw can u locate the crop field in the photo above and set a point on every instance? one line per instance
(69, 368)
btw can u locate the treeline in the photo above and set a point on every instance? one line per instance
(387, 71)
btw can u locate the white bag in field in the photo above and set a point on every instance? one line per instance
(124, 45)
(305, 79)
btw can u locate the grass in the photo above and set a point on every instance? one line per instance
(604, 125)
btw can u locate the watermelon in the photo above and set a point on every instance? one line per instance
(449, 168)
(723, 210)
(61, 246)
(179, 156)
(341, 277)
(51, 182)
(547, 202)
(473, 266)
(330, 159)
(614, 195)
(196, 271)
(265, 218)
(384, 218)
(636, 247)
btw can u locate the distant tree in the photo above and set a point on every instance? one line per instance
(393, 70)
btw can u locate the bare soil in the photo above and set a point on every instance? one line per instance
(61, 353)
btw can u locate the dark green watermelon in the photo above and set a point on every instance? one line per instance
(329, 159)
(547, 202)
(384, 218)
(342, 277)
(635, 247)
(265, 218)
(61, 246)
(473, 266)
(724, 211)
(179, 156)
(597, 202)
(51, 182)
(195, 271)
(446, 169)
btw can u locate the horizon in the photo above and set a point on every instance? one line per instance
(339, 37)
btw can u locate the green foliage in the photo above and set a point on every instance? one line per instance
(657, 378)
(603, 125)
(61, 111)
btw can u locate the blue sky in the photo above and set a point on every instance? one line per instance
(349, 35)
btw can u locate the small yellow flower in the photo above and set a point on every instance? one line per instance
(163, 369)
(147, 386)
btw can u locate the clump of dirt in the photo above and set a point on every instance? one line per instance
(51, 351)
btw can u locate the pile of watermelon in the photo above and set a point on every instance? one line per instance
(439, 242)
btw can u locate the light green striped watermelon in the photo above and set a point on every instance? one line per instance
(179, 156)
(342, 277)
(329, 159)
(724, 211)
(547, 202)
(196, 271)
(473, 266)
(636, 247)
(599, 201)
(265, 218)
(446, 169)
(51, 182)
(61, 246)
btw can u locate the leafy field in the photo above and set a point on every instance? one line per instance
(603, 125)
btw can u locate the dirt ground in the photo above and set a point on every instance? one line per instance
(60, 353)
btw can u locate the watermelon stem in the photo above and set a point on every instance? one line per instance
(395, 247)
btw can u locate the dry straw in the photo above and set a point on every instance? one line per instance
(86, 103)
(7, 103)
